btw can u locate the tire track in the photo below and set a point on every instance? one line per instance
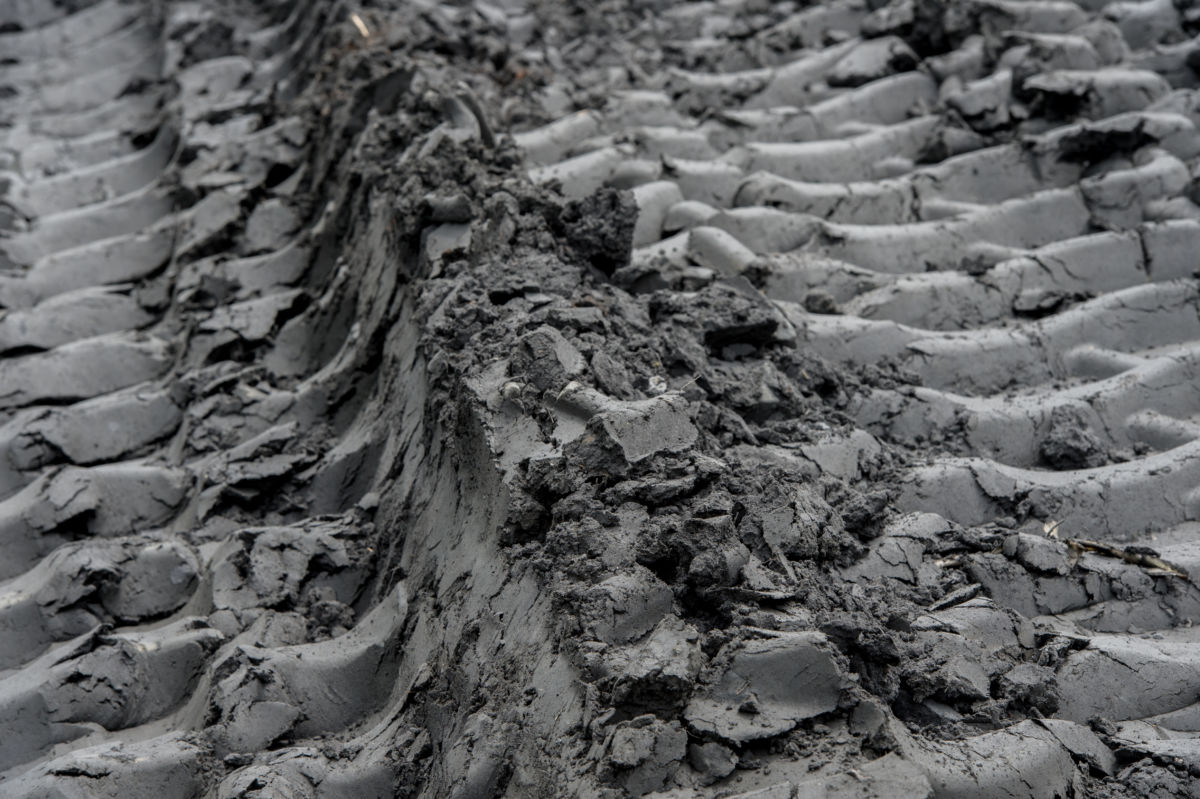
(136, 423)
(974, 231)
(1034, 299)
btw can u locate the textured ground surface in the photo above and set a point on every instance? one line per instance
(528, 398)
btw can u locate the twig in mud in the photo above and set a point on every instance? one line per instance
(467, 97)
(1149, 561)
(362, 26)
(957, 597)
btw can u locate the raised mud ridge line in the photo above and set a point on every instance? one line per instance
(621, 399)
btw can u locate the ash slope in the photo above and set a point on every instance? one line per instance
(631, 399)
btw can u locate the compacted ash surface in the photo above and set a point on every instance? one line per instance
(626, 398)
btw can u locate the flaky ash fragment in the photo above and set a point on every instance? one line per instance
(767, 688)
(645, 428)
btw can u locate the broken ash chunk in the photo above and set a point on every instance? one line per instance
(158, 577)
(899, 552)
(652, 492)
(625, 607)
(1038, 554)
(712, 760)
(658, 672)
(648, 427)
(546, 360)
(645, 753)
(795, 527)
(1070, 445)
(256, 319)
(947, 667)
(631, 432)
(246, 472)
(714, 567)
(441, 242)
(283, 566)
(863, 514)
(1029, 686)
(724, 315)
(1082, 743)
(599, 228)
(768, 687)
(611, 375)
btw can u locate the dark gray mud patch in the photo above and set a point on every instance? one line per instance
(599, 228)
(1069, 444)
(643, 547)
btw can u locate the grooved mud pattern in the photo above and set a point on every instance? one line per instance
(624, 398)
